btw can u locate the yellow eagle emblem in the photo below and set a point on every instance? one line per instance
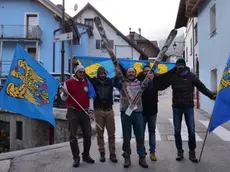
(225, 80)
(31, 88)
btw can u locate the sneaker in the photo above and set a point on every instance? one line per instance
(142, 162)
(113, 157)
(192, 156)
(102, 156)
(153, 157)
(88, 159)
(180, 155)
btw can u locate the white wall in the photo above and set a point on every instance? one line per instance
(121, 47)
(213, 49)
(188, 45)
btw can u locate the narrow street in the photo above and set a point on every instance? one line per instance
(215, 157)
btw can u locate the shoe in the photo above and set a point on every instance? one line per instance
(142, 162)
(192, 156)
(180, 155)
(102, 158)
(127, 162)
(153, 157)
(76, 163)
(88, 159)
(113, 157)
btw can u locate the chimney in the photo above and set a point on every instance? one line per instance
(131, 36)
(139, 31)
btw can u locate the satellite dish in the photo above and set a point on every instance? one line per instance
(75, 7)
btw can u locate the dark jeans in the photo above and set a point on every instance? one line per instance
(135, 120)
(151, 120)
(189, 120)
(75, 120)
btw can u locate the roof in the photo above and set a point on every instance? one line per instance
(56, 10)
(140, 38)
(89, 6)
(52, 7)
(187, 9)
(181, 20)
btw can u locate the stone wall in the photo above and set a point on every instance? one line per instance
(35, 132)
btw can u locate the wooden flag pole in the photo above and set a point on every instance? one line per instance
(206, 135)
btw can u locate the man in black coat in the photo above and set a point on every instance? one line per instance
(150, 105)
(104, 115)
(182, 83)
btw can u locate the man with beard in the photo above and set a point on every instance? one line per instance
(104, 114)
(150, 105)
(183, 82)
(82, 91)
(135, 120)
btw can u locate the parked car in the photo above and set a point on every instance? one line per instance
(116, 95)
(57, 100)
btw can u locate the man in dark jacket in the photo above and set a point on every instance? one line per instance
(104, 114)
(183, 82)
(150, 106)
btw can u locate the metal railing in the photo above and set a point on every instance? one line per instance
(20, 32)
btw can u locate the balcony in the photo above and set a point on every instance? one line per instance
(20, 32)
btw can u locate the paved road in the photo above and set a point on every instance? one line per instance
(216, 155)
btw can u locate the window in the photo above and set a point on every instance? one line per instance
(186, 56)
(191, 46)
(195, 34)
(213, 20)
(214, 80)
(100, 45)
(32, 51)
(31, 25)
(19, 130)
(89, 22)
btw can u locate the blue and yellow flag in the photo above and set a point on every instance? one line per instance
(93, 63)
(221, 111)
(29, 89)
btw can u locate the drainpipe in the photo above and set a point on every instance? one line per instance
(197, 91)
(54, 32)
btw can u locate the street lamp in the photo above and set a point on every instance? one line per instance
(174, 46)
(63, 44)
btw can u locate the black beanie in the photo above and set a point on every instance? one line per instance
(181, 60)
(101, 69)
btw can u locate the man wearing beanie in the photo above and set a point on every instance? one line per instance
(82, 91)
(183, 82)
(104, 114)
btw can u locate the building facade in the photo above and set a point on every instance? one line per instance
(212, 33)
(33, 25)
(121, 45)
(150, 48)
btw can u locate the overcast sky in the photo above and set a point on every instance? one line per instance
(156, 18)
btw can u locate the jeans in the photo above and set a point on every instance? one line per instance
(135, 120)
(189, 120)
(151, 120)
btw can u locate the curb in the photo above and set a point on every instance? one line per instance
(19, 153)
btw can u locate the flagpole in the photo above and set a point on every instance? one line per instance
(206, 135)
